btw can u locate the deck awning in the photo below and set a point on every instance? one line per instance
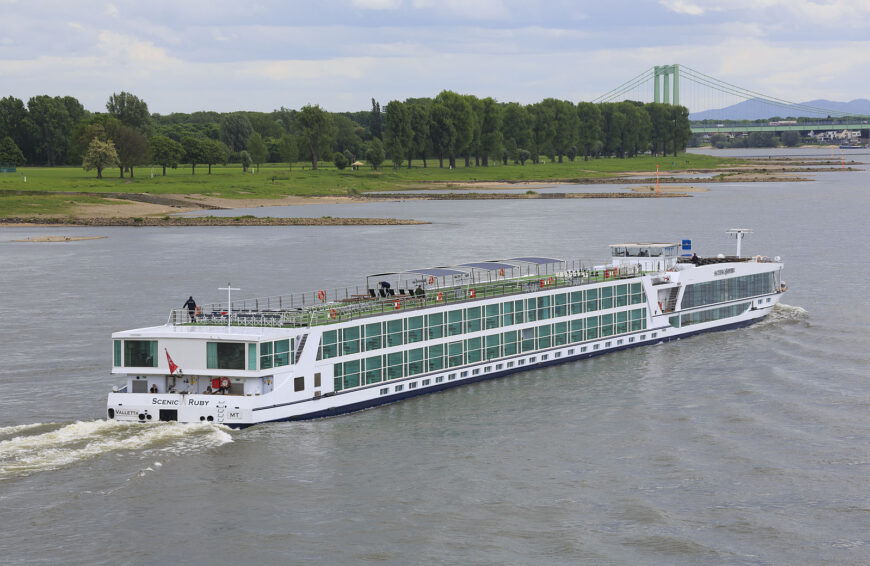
(489, 265)
(437, 271)
(536, 260)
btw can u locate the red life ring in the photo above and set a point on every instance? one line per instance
(440, 296)
(542, 283)
(472, 293)
(225, 383)
(431, 280)
(398, 305)
(331, 313)
(321, 295)
(501, 272)
(551, 280)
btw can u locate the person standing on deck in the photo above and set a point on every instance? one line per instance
(190, 305)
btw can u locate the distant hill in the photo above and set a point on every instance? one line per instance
(755, 109)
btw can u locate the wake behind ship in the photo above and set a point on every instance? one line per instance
(334, 351)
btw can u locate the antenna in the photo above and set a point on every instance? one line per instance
(739, 233)
(229, 291)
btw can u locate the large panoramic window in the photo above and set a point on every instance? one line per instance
(731, 289)
(141, 353)
(225, 355)
(714, 314)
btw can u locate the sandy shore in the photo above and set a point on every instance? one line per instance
(60, 238)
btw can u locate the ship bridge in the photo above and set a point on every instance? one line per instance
(650, 256)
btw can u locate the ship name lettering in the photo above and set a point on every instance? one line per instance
(719, 272)
(197, 402)
(156, 401)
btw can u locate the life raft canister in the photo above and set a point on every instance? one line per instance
(542, 282)
(472, 293)
(216, 383)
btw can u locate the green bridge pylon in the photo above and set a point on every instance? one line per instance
(666, 71)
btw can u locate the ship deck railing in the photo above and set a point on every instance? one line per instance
(333, 308)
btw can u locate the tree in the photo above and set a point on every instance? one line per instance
(567, 124)
(375, 153)
(257, 149)
(316, 129)
(235, 129)
(132, 149)
(10, 154)
(462, 121)
(100, 155)
(418, 118)
(246, 160)
(375, 125)
(523, 155)
(213, 152)
(516, 128)
(683, 129)
(340, 160)
(589, 127)
(789, 139)
(194, 152)
(288, 150)
(490, 129)
(166, 152)
(15, 122)
(397, 134)
(52, 128)
(544, 128)
(441, 131)
(130, 110)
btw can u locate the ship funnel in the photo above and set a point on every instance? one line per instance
(739, 233)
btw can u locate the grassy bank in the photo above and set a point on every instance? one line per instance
(276, 181)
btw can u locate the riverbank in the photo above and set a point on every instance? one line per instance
(205, 221)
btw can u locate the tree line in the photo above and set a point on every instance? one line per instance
(446, 128)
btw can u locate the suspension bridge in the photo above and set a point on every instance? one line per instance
(716, 106)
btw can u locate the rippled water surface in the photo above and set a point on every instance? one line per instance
(749, 446)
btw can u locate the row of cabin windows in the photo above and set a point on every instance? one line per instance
(714, 314)
(377, 335)
(219, 355)
(732, 289)
(385, 367)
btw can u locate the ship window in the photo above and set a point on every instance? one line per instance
(621, 295)
(329, 345)
(571, 351)
(487, 369)
(472, 350)
(559, 302)
(544, 307)
(394, 332)
(436, 357)
(475, 371)
(384, 390)
(492, 346)
(557, 355)
(337, 382)
(454, 354)
(499, 366)
(117, 351)
(299, 384)
(491, 312)
(412, 385)
(607, 344)
(451, 377)
(533, 359)
(591, 300)
(265, 355)
(507, 317)
(577, 329)
(643, 336)
(350, 341)
(415, 329)
(621, 322)
(674, 321)
(510, 364)
(472, 319)
(531, 310)
(454, 322)
(714, 314)
(141, 353)
(560, 333)
(426, 382)
(225, 355)
(374, 340)
(415, 361)
(544, 336)
(631, 339)
(528, 339)
(595, 347)
(252, 356)
(519, 313)
(317, 379)
(654, 334)
(282, 352)
(618, 342)
(464, 374)
(373, 369)
(545, 357)
(394, 365)
(583, 349)
(521, 362)
(592, 327)
(606, 297)
(605, 327)
(636, 294)
(439, 379)
(351, 374)
(509, 343)
(399, 388)
(638, 319)
(436, 325)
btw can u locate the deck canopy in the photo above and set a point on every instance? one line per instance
(466, 273)
(645, 249)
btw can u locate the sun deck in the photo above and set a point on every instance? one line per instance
(407, 290)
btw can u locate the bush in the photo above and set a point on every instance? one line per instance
(340, 160)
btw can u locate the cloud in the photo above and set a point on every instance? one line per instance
(681, 7)
(112, 11)
(376, 4)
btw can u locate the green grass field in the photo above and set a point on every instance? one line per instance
(276, 181)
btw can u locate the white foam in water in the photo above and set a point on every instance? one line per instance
(10, 430)
(69, 444)
(784, 313)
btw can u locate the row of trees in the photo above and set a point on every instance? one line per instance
(448, 127)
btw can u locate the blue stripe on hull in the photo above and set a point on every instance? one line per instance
(386, 399)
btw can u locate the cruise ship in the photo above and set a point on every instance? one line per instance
(338, 350)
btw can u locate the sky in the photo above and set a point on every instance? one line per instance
(190, 55)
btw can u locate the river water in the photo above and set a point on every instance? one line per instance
(748, 446)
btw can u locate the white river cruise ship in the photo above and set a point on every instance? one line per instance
(334, 351)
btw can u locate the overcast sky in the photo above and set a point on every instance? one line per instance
(189, 55)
